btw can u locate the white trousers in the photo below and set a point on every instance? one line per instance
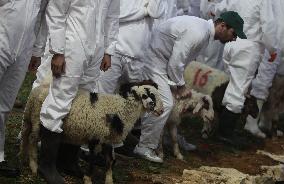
(151, 125)
(80, 72)
(17, 24)
(263, 80)
(242, 58)
(123, 69)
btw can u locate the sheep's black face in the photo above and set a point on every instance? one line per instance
(149, 97)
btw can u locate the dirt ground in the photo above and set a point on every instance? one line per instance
(139, 171)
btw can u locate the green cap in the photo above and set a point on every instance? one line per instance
(234, 20)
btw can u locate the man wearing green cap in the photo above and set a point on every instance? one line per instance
(243, 57)
(174, 44)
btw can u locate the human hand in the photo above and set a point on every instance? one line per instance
(34, 64)
(106, 63)
(58, 65)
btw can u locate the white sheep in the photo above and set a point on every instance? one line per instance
(98, 120)
(213, 82)
(197, 105)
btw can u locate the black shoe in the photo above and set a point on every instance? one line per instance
(227, 135)
(50, 142)
(68, 160)
(234, 141)
(8, 171)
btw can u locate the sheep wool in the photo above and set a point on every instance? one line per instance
(203, 78)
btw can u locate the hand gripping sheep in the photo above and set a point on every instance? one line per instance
(197, 105)
(97, 120)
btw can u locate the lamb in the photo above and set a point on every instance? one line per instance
(97, 120)
(197, 104)
(213, 82)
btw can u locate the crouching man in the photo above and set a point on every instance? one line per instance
(82, 37)
(174, 44)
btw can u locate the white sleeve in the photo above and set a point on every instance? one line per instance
(156, 8)
(2, 2)
(40, 31)
(218, 8)
(180, 58)
(111, 26)
(227, 56)
(131, 10)
(56, 15)
(268, 25)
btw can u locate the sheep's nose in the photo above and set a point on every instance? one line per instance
(152, 104)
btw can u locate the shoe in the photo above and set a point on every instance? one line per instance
(228, 121)
(148, 154)
(50, 142)
(183, 144)
(68, 160)
(8, 171)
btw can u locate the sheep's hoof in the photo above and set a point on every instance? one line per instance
(180, 157)
(34, 167)
(87, 180)
(109, 180)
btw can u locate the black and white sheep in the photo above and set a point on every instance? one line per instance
(97, 120)
(196, 105)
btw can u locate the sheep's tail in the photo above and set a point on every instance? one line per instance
(26, 126)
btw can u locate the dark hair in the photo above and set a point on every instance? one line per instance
(219, 21)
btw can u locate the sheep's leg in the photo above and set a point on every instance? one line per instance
(88, 177)
(110, 159)
(33, 149)
(160, 149)
(173, 133)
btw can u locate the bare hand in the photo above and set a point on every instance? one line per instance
(183, 92)
(106, 63)
(58, 65)
(34, 64)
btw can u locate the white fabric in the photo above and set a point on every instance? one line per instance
(135, 20)
(213, 55)
(151, 125)
(123, 69)
(83, 31)
(183, 7)
(17, 32)
(278, 6)
(241, 61)
(263, 80)
(257, 15)
(173, 45)
(176, 42)
(194, 8)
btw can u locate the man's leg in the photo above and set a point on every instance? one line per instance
(108, 80)
(260, 89)
(11, 78)
(152, 126)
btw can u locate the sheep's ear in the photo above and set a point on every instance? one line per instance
(93, 97)
(149, 82)
(125, 89)
(134, 90)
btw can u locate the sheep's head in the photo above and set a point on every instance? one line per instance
(205, 108)
(149, 97)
